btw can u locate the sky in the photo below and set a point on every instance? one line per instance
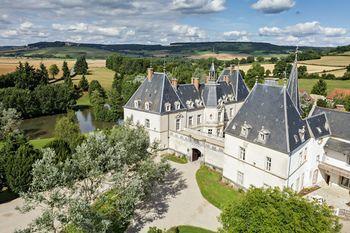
(283, 22)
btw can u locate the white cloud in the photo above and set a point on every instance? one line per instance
(9, 33)
(273, 6)
(236, 35)
(189, 32)
(303, 30)
(25, 25)
(198, 6)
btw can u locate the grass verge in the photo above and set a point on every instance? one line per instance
(40, 143)
(176, 159)
(213, 189)
(84, 100)
(188, 229)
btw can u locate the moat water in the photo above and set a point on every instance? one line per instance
(43, 127)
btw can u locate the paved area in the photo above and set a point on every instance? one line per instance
(177, 202)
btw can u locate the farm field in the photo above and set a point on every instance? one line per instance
(9, 64)
(220, 56)
(307, 84)
(340, 61)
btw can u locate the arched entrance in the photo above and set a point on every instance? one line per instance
(195, 154)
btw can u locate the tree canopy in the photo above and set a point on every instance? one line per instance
(273, 210)
(320, 88)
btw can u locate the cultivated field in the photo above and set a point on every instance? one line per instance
(307, 84)
(9, 64)
(340, 61)
(219, 56)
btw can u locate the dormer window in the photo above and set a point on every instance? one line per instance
(167, 107)
(189, 103)
(263, 135)
(136, 103)
(177, 105)
(147, 106)
(199, 102)
(302, 134)
(296, 138)
(245, 129)
(319, 129)
(230, 97)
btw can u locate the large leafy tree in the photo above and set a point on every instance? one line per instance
(81, 66)
(320, 88)
(68, 131)
(83, 83)
(54, 70)
(97, 188)
(255, 73)
(273, 210)
(9, 121)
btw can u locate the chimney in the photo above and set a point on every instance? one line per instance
(149, 73)
(231, 69)
(174, 83)
(195, 82)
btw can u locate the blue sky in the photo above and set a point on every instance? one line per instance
(288, 22)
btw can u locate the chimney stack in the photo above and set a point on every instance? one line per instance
(195, 82)
(149, 73)
(231, 69)
(174, 83)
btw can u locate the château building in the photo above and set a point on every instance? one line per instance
(254, 138)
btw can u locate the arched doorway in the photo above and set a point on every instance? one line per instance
(195, 154)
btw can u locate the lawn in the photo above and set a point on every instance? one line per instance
(176, 159)
(40, 143)
(189, 229)
(307, 84)
(213, 189)
(84, 100)
(330, 61)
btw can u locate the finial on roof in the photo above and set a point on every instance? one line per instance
(296, 53)
(284, 82)
(256, 81)
(164, 67)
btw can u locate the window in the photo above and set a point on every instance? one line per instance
(345, 182)
(136, 103)
(177, 125)
(177, 105)
(210, 131)
(242, 153)
(245, 129)
(296, 138)
(268, 163)
(319, 129)
(301, 158)
(147, 105)
(240, 178)
(199, 119)
(147, 124)
(167, 107)
(219, 116)
(348, 159)
(190, 121)
(231, 112)
(211, 116)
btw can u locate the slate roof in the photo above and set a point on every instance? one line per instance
(270, 108)
(337, 145)
(157, 92)
(188, 92)
(318, 125)
(212, 93)
(239, 88)
(293, 87)
(338, 122)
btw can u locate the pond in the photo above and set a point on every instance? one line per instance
(43, 127)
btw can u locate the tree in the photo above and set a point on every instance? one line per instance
(83, 83)
(81, 66)
(255, 73)
(54, 70)
(348, 68)
(9, 121)
(260, 59)
(267, 73)
(66, 73)
(282, 69)
(67, 130)
(199, 73)
(75, 196)
(320, 88)
(273, 210)
(250, 59)
(96, 86)
(44, 74)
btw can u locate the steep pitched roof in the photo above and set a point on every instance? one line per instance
(337, 145)
(212, 93)
(188, 92)
(318, 125)
(270, 109)
(239, 88)
(157, 91)
(293, 86)
(338, 122)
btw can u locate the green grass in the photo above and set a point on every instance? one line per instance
(189, 229)
(307, 84)
(213, 189)
(40, 143)
(84, 100)
(176, 159)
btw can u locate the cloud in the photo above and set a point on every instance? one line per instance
(4, 19)
(25, 25)
(303, 30)
(189, 32)
(198, 6)
(273, 6)
(236, 35)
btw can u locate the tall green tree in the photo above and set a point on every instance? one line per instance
(320, 88)
(255, 73)
(44, 74)
(54, 70)
(273, 210)
(83, 83)
(81, 66)
(282, 69)
(67, 130)
(66, 72)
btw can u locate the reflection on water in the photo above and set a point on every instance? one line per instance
(43, 127)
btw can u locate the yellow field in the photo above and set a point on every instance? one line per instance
(102, 74)
(340, 61)
(219, 56)
(9, 64)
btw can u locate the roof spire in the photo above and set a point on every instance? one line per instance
(164, 67)
(212, 75)
(292, 85)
